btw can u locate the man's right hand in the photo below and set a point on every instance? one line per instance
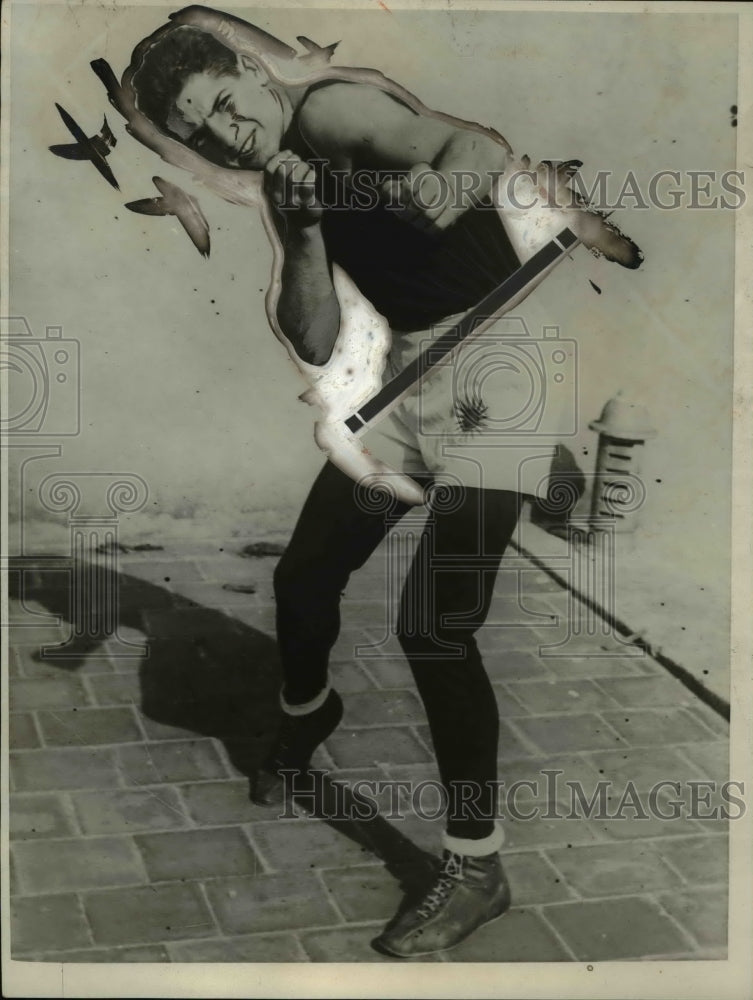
(290, 183)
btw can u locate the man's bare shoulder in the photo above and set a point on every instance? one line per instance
(343, 101)
(356, 120)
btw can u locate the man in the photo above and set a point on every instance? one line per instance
(419, 262)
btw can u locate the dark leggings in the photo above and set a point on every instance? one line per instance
(452, 576)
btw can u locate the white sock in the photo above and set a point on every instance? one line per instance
(308, 706)
(475, 848)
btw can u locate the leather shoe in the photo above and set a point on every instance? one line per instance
(297, 738)
(469, 892)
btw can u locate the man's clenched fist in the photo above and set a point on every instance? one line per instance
(290, 183)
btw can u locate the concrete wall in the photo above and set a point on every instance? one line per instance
(183, 384)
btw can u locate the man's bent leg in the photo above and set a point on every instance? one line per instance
(335, 535)
(446, 599)
(459, 557)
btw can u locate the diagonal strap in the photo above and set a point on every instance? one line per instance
(381, 403)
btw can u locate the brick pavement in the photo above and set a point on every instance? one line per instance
(133, 838)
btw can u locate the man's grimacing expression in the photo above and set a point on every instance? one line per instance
(238, 120)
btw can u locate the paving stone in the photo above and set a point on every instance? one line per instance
(164, 731)
(541, 824)
(388, 672)
(115, 689)
(372, 614)
(614, 929)
(219, 802)
(227, 568)
(300, 844)
(128, 658)
(567, 733)
(260, 618)
(514, 665)
(134, 953)
(355, 643)
(613, 869)
(703, 912)
(211, 594)
(560, 696)
(59, 865)
(150, 913)
(507, 703)
(164, 571)
(125, 810)
(711, 759)
(499, 636)
(636, 827)
(648, 692)
(518, 936)
(47, 922)
(403, 789)
(360, 795)
(349, 678)
(549, 774)
(706, 805)
(366, 747)
(644, 767)
(593, 669)
(718, 725)
(37, 816)
(53, 770)
(252, 948)
(383, 708)
(60, 670)
(643, 727)
(160, 763)
(188, 623)
(88, 726)
(351, 944)
(529, 609)
(22, 731)
(30, 638)
(365, 893)
(270, 902)
(533, 880)
(510, 743)
(367, 645)
(57, 691)
(197, 854)
(700, 860)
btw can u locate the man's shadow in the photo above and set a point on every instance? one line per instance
(215, 676)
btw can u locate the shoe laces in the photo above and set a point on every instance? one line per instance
(452, 873)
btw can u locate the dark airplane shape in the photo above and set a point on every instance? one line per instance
(175, 201)
(105, 73)
(94, 148)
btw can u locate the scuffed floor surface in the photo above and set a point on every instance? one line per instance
(133, 838)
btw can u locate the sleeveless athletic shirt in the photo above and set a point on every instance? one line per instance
(412, 277)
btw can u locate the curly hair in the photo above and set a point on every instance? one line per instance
(169, 62)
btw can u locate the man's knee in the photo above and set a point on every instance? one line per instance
(301, 582)
(424, 637)
(287, 580)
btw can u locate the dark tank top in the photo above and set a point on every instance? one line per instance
(412, 277)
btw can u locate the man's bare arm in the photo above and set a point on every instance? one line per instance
(307, 309)
(360, 126)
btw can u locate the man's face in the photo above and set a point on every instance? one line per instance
(237, 120)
